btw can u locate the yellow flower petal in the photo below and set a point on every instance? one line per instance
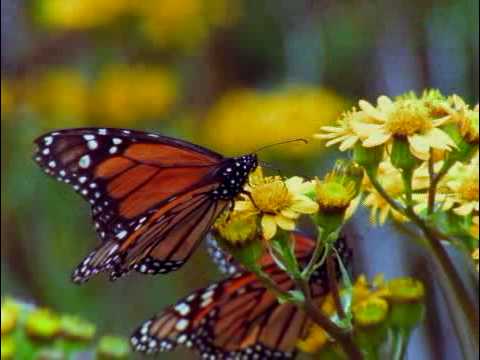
(246, 206)
(269, 226)
(285, 223)
(289, 213)
(371, 111)
(419, 146)
(385, 103)
(438, 139)
(465, 209)
(348, 143)
(376, 139)
(304, 205)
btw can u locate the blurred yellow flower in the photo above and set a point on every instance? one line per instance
(184, 23)
(80, 14)
(244, 120)
(278, 202)
(58, 96)
(7, 98)
(391, 180)
(127, 93)
(405, 118)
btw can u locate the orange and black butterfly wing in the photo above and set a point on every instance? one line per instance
(142, 187)
(236, 318)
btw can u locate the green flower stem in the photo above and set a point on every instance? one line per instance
(400, 344)
(407, 182)
(333, 286)
(435, 180)
(343, 336)
(454, 282)
(319, 255)
(274, 288)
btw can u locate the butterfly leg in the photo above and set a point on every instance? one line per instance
(251, 198)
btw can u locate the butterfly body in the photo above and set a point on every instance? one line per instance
(153, 197)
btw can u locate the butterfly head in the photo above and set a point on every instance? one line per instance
(234, 174)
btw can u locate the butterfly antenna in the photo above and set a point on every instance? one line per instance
(270, 166)
(302, 140)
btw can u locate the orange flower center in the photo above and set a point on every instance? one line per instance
(408, 118)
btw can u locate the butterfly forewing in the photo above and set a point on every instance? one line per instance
(143, 188)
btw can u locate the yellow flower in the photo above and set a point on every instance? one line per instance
(187, 23)
(78, 14)
(128, 93)
(244, 120)
(336, 192)
(345, 132)
(317, 338)
(278, 202)
(463, 184)
(475, 231)
(466, 118)
(237, 227)
(7, 98)
(405, 118)
(59, 96)
(391, 180)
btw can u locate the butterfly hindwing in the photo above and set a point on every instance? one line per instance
(237, 318)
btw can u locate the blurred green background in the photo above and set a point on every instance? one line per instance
(232, 75)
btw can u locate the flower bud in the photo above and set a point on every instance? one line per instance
(370, 312)
(368, 158)
(113, 348)
(77, 329)
(401, 156)
(406, 298)
(8, 348)
(42, 324)
(236, 228)
(10, 311)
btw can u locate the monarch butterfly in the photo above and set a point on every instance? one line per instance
(238, 318)
(153, 197)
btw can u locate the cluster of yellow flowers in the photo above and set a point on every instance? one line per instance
(373, 304)
(434, 127)
(271, 202)
(244, 119)
(423, 153)
(184, 23)
(421, 121)
(121, 94)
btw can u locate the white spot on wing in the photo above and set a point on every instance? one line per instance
(84, 161)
